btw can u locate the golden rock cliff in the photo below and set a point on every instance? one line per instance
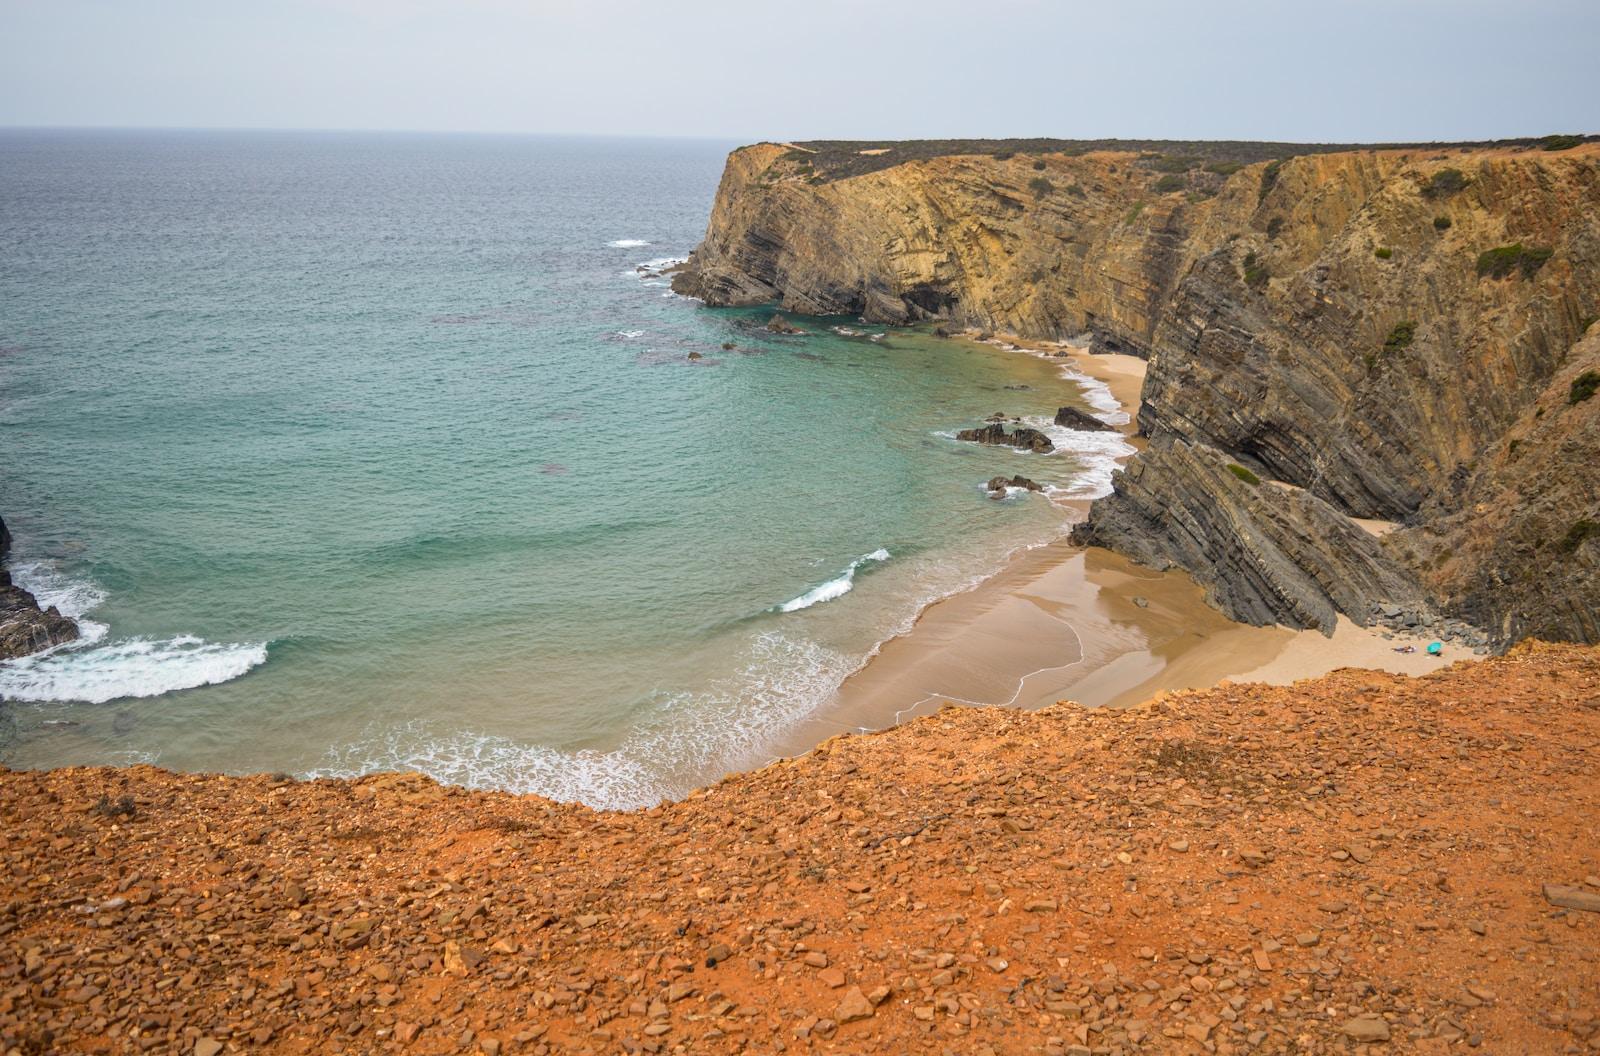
(1363, 331)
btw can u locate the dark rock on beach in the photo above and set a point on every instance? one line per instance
(1072, 418)
(25, 627)
(1022, 437)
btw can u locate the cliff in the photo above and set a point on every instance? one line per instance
(1361, 862)
(1366, 328)
(25, 627)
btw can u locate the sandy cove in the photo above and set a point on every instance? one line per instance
(1063, 622)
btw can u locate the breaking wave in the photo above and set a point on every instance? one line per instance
(834, 588)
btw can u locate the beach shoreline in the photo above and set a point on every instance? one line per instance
(1065, 622)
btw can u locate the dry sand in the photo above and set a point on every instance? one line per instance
(1067, 623)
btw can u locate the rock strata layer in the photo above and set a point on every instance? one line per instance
(1371, 327)
(1408, 865)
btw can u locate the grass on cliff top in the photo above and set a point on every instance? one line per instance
(837, 159)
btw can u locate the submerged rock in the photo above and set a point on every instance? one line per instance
(779, 325)
(1022, 437)
(997, 485)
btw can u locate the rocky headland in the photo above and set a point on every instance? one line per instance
(1362, 863)
(25, 627)
(1333, 334)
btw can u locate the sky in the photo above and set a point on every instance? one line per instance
(1294, 70)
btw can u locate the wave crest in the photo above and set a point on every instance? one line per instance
(833, 588)
(130, 667)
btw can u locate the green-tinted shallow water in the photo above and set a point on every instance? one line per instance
(364, 451)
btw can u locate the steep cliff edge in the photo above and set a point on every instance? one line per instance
(24, 626)
(1367, 327)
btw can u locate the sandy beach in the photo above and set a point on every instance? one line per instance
(1064, 622)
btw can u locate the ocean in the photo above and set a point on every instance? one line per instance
(360, 451)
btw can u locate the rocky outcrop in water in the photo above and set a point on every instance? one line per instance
(25, 627)
(998, 486)
(1370, 327)
(1022, 437)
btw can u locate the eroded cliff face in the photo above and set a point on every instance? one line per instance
(1329, 322)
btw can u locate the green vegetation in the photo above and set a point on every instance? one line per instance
(1371, 360)
(1077, 191)
(1444, 183)
(1383, 252)
(1170, 182)
(1169, 163)
(1255, 272)
(1243, 473)
(1584, 386)
(1585, 323)
(1224, 168)
(1133, 214)
(1501, 261)
(1040, 186)
(1560, 142)
(1401, 336)
(1038, 166)
(1004, 155)
(1581, 529)
(1269, 178)
(1274, 226)
(1441, 223)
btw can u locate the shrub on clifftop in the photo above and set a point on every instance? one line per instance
(1444, 183)
(1243, 474)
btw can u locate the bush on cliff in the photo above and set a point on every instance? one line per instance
(1383, 252)
(1274, 226)
(1040, 186)
(1401, 336)
(1501, 261)
(1169, 183)
(1560, 142)
(1584, 386)
(1441, 223)
(1255, 272)
(1444, 183)
(1243, 474)
(1580, 531)
(1269, 179)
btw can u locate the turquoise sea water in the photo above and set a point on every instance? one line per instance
(356, 451)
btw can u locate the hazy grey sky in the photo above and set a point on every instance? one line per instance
(753, 69)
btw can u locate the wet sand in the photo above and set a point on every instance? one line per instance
(1063, 622)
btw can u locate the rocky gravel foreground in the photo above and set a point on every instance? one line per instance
(1361, 863)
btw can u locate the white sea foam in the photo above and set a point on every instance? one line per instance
(780, 681)
(129, 667)
(85, 670)
(628, 243)
(1097, 394)
(73, 598)
(834, 588)
(660, 263)
(630, 334)
(1100, 453)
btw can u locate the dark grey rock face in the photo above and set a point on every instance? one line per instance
(24, 627)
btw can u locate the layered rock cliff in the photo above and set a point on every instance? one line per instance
(24, 626)
(1362, 330)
